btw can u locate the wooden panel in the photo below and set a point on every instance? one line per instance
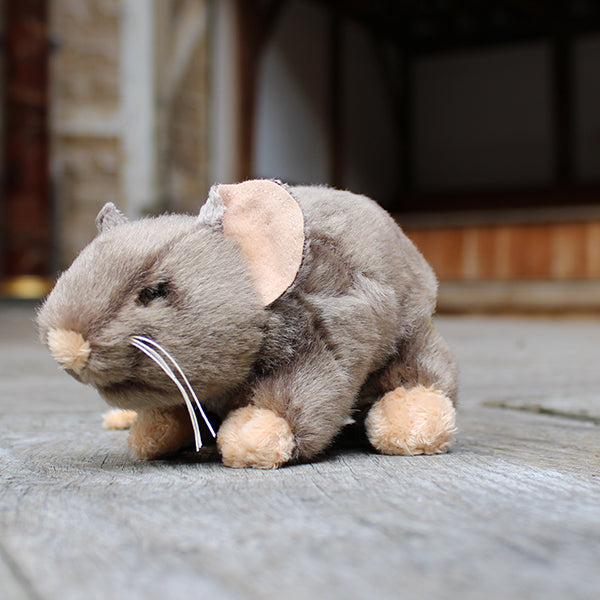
(530, 252)
(593, 250)
(419, 238)
(487, 252)
(563, 251)
(443, 248)
(470, 254)
(502, 262)
(569, 251)
(450, 253)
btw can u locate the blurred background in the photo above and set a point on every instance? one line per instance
(476, 124)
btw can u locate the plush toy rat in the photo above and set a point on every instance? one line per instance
(286, 311)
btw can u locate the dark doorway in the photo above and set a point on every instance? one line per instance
(25, 248)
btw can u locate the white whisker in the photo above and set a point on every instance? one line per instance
(165, 367)
(185, 379)
(151, 348)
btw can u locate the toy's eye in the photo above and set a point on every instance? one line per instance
(148, 294)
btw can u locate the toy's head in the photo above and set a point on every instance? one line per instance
(196, 286)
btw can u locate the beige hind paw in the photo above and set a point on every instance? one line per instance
(159, 432)
(411, 421)
(118, 419)
(255, 437)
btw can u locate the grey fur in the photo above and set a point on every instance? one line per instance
(110, 216)
(355, 323)
(211, 214)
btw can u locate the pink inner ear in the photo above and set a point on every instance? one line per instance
(269, 226)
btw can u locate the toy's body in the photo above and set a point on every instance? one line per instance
(283, 334)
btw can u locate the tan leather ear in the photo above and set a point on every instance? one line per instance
(269, 226)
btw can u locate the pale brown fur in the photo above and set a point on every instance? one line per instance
(69, 348)
(119, 419)
(158, 432)
(255, 437)
(411, 421)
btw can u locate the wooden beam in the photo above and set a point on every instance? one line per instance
(397, 75)
(187, 31)
(490, 200)
(256, 23)
(2, 91)
(406, 124)
(336, 108)
(138, 108)
(563, 88)
(26, 241)
(535, 8)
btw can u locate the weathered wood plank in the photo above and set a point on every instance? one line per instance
(352, 525)
(11, 585)
(570, 258)
(512, 512)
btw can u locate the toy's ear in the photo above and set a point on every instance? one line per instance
(268, 224)
(110, 216)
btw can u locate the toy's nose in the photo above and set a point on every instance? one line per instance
(69, 348)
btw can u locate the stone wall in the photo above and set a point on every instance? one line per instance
(87, 90)
(85, 101)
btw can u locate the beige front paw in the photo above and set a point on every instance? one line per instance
(255, 437)
(411, 421)
(119, 419)
(158, 432)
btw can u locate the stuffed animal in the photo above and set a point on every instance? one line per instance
(286, 311)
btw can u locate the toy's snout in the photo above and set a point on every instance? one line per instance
(69, 348)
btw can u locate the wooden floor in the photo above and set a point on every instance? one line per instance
(512, 513)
